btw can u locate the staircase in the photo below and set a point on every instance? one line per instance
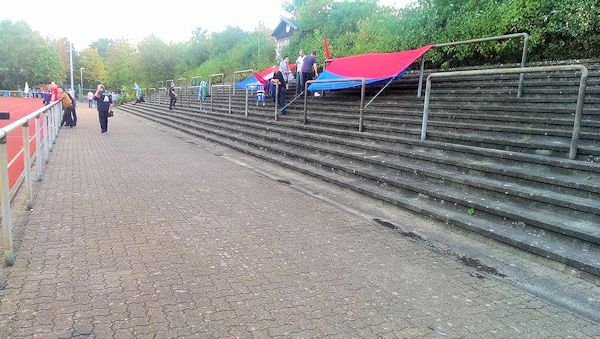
(492, 164)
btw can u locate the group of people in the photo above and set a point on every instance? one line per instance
(306, 69)
(102, 98)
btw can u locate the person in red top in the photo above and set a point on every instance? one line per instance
(55, 92)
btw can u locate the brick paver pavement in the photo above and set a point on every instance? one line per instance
(136, 233)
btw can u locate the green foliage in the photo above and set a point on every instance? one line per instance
(26, 57)
(122, 68)
(95, 69)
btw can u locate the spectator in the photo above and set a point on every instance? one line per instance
(68, 106)
(202, 90)
(139, 99)
(285, 70)
(54, 91)
(137, 89)
(90, 97)
(47, 95)
(172, 97)
(299, 82)
(103, 101)
(309, 68)
(279, 79)
(74, 110)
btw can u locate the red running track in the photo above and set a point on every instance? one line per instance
(19, 108)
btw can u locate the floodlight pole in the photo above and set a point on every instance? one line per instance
(71, 63)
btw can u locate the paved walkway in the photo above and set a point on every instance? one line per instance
(137, 233)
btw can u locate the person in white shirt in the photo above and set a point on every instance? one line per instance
(299, 81)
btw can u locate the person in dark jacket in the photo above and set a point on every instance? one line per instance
(172, 97)
(103, 101)
(279, 78)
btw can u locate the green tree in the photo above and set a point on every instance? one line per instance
(156, 61)
(95, 69)
(121, 65)
(102, 46)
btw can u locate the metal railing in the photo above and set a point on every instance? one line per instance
(580, 95)
(160, 84)
(362, 96)
(171, 81)
(210, 82)
(192, 81)
(19, 94)
(52, 118)
(160, 91)
(236, 73)
(228, 92)
(152, 96)
(525, 37)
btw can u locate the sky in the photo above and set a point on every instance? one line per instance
(171, 21)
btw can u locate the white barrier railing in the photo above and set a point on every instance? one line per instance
(52, 115)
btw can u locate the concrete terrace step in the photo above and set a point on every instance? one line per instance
(407, 177)
(549, 142)
(519, 235)
(592, 205)
(488, 154)
(591, 184)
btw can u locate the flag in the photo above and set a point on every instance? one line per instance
(326, 45)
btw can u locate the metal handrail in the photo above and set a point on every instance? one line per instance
(580, 95)
(153, 95)
(289, 103)
(192, 80)
(228, 92)
(52, 118)
(525, 37)
(160, 84)
(246, 99)
(221, 75)
(171, 81)
(181, 82)
(362, 96)
(240, 72)
(160, 94)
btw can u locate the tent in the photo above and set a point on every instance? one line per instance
(376, 68)
(261, 77)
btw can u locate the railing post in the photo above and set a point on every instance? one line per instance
(38, 150)
(426, 108)
(421, 76)
(212, 107)
(578, 113)
(229, 97)
(523, 63)
(9, 257)
(276, 99)
(246, 106)
(46, 136)
(27, 166)
(306, 101)
(362, 104)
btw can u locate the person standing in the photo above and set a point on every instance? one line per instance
(103, 102)
(90, 97)
(67, 104)
(172, 97)
(299, 82)
(54, 91)
(279, 79)
(285, 70)
(309, 68)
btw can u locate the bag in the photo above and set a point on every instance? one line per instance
(110, 114)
